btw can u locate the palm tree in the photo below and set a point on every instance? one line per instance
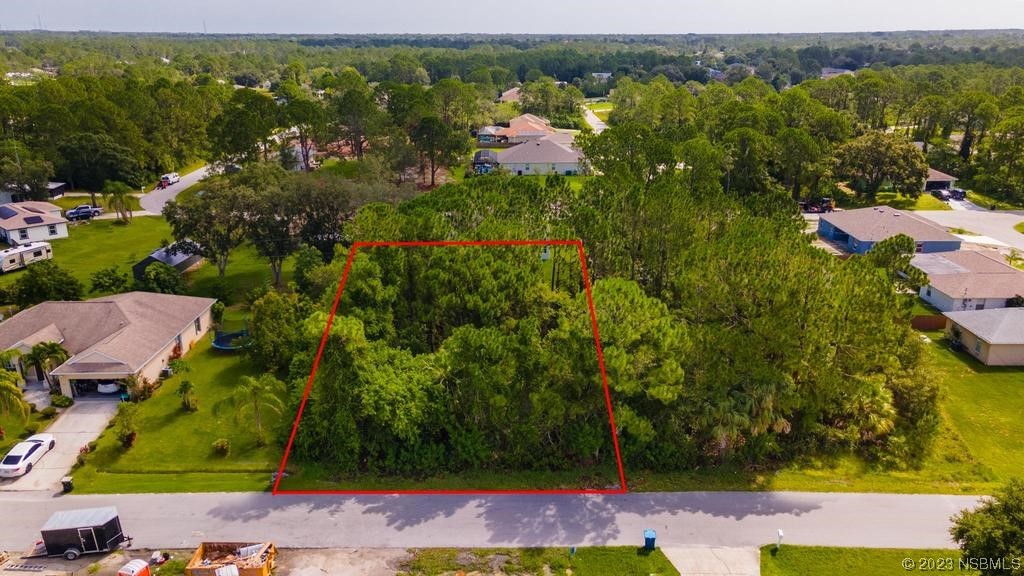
(119, 199)
(257, 395)
(11, 398)
(187, 393)
(45, 355)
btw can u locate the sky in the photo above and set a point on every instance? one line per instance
(509, 16)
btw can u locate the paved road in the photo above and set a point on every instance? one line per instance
(996, 224)
(154, 201)
(74, 428)
(596, 124)
(740, 519)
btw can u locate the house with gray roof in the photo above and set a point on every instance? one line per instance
(995, 337)
(858, 230)
(109, 338)
(555, 154)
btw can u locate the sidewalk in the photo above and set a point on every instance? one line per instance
(715, 561)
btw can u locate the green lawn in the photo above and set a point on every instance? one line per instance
(988, 201)
(821, 561)
(1019, 227)
(68, 202)
(173, 451)
(14, 428)
(246, 271)
(923, 202)
(96, 244)
(602, 561)
(601, 109)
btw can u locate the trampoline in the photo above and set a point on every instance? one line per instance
(233, 340)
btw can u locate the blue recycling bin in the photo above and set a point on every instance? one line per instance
(649, 536)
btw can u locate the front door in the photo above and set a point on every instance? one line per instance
(88, 538)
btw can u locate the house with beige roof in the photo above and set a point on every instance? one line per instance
(24, 222)
(968, 280)
(995, 337)
(110, 338)
(858, 230)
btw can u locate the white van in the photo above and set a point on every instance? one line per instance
(168, 179)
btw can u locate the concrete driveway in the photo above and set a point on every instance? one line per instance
(154, 201)
(996, 224)
(74, 428)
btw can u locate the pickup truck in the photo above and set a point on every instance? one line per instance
(83, 212)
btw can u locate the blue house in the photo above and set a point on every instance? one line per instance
(858, 230)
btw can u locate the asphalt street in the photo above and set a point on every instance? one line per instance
(154, 201)
(738, 519)
(994, 224)
(596, 124)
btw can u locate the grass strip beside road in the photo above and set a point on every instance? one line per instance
(598, 561)
(824, 561)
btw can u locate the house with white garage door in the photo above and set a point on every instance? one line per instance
(109, 339)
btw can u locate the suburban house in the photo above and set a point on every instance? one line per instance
(110, 338)
(601, 76)
(551, 155)
(938, 180)
(513, 94)
(995, 337)
(24, 222)
(180, 261)
(968, 280)
(53, 190)
(524, 128)
(829, 73)
(858, 230)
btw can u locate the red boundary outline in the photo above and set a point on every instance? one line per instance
(330, 320)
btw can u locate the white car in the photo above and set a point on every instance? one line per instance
(24, 455)
(171, 178)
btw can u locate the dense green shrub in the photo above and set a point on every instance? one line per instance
(222, 446)
(61, 401)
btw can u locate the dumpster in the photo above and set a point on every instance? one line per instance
(649, 536)
(134, 568)
(68, 483)
(232, 559)
(72, 533)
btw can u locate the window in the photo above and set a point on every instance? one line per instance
(919, 247)
(23, 234)
(199, 325)
(37, 254)
(928, 291)
(53, 229)
(979, 306)
(977, 345)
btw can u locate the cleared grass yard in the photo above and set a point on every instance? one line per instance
(96, 244)
(978, 447)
